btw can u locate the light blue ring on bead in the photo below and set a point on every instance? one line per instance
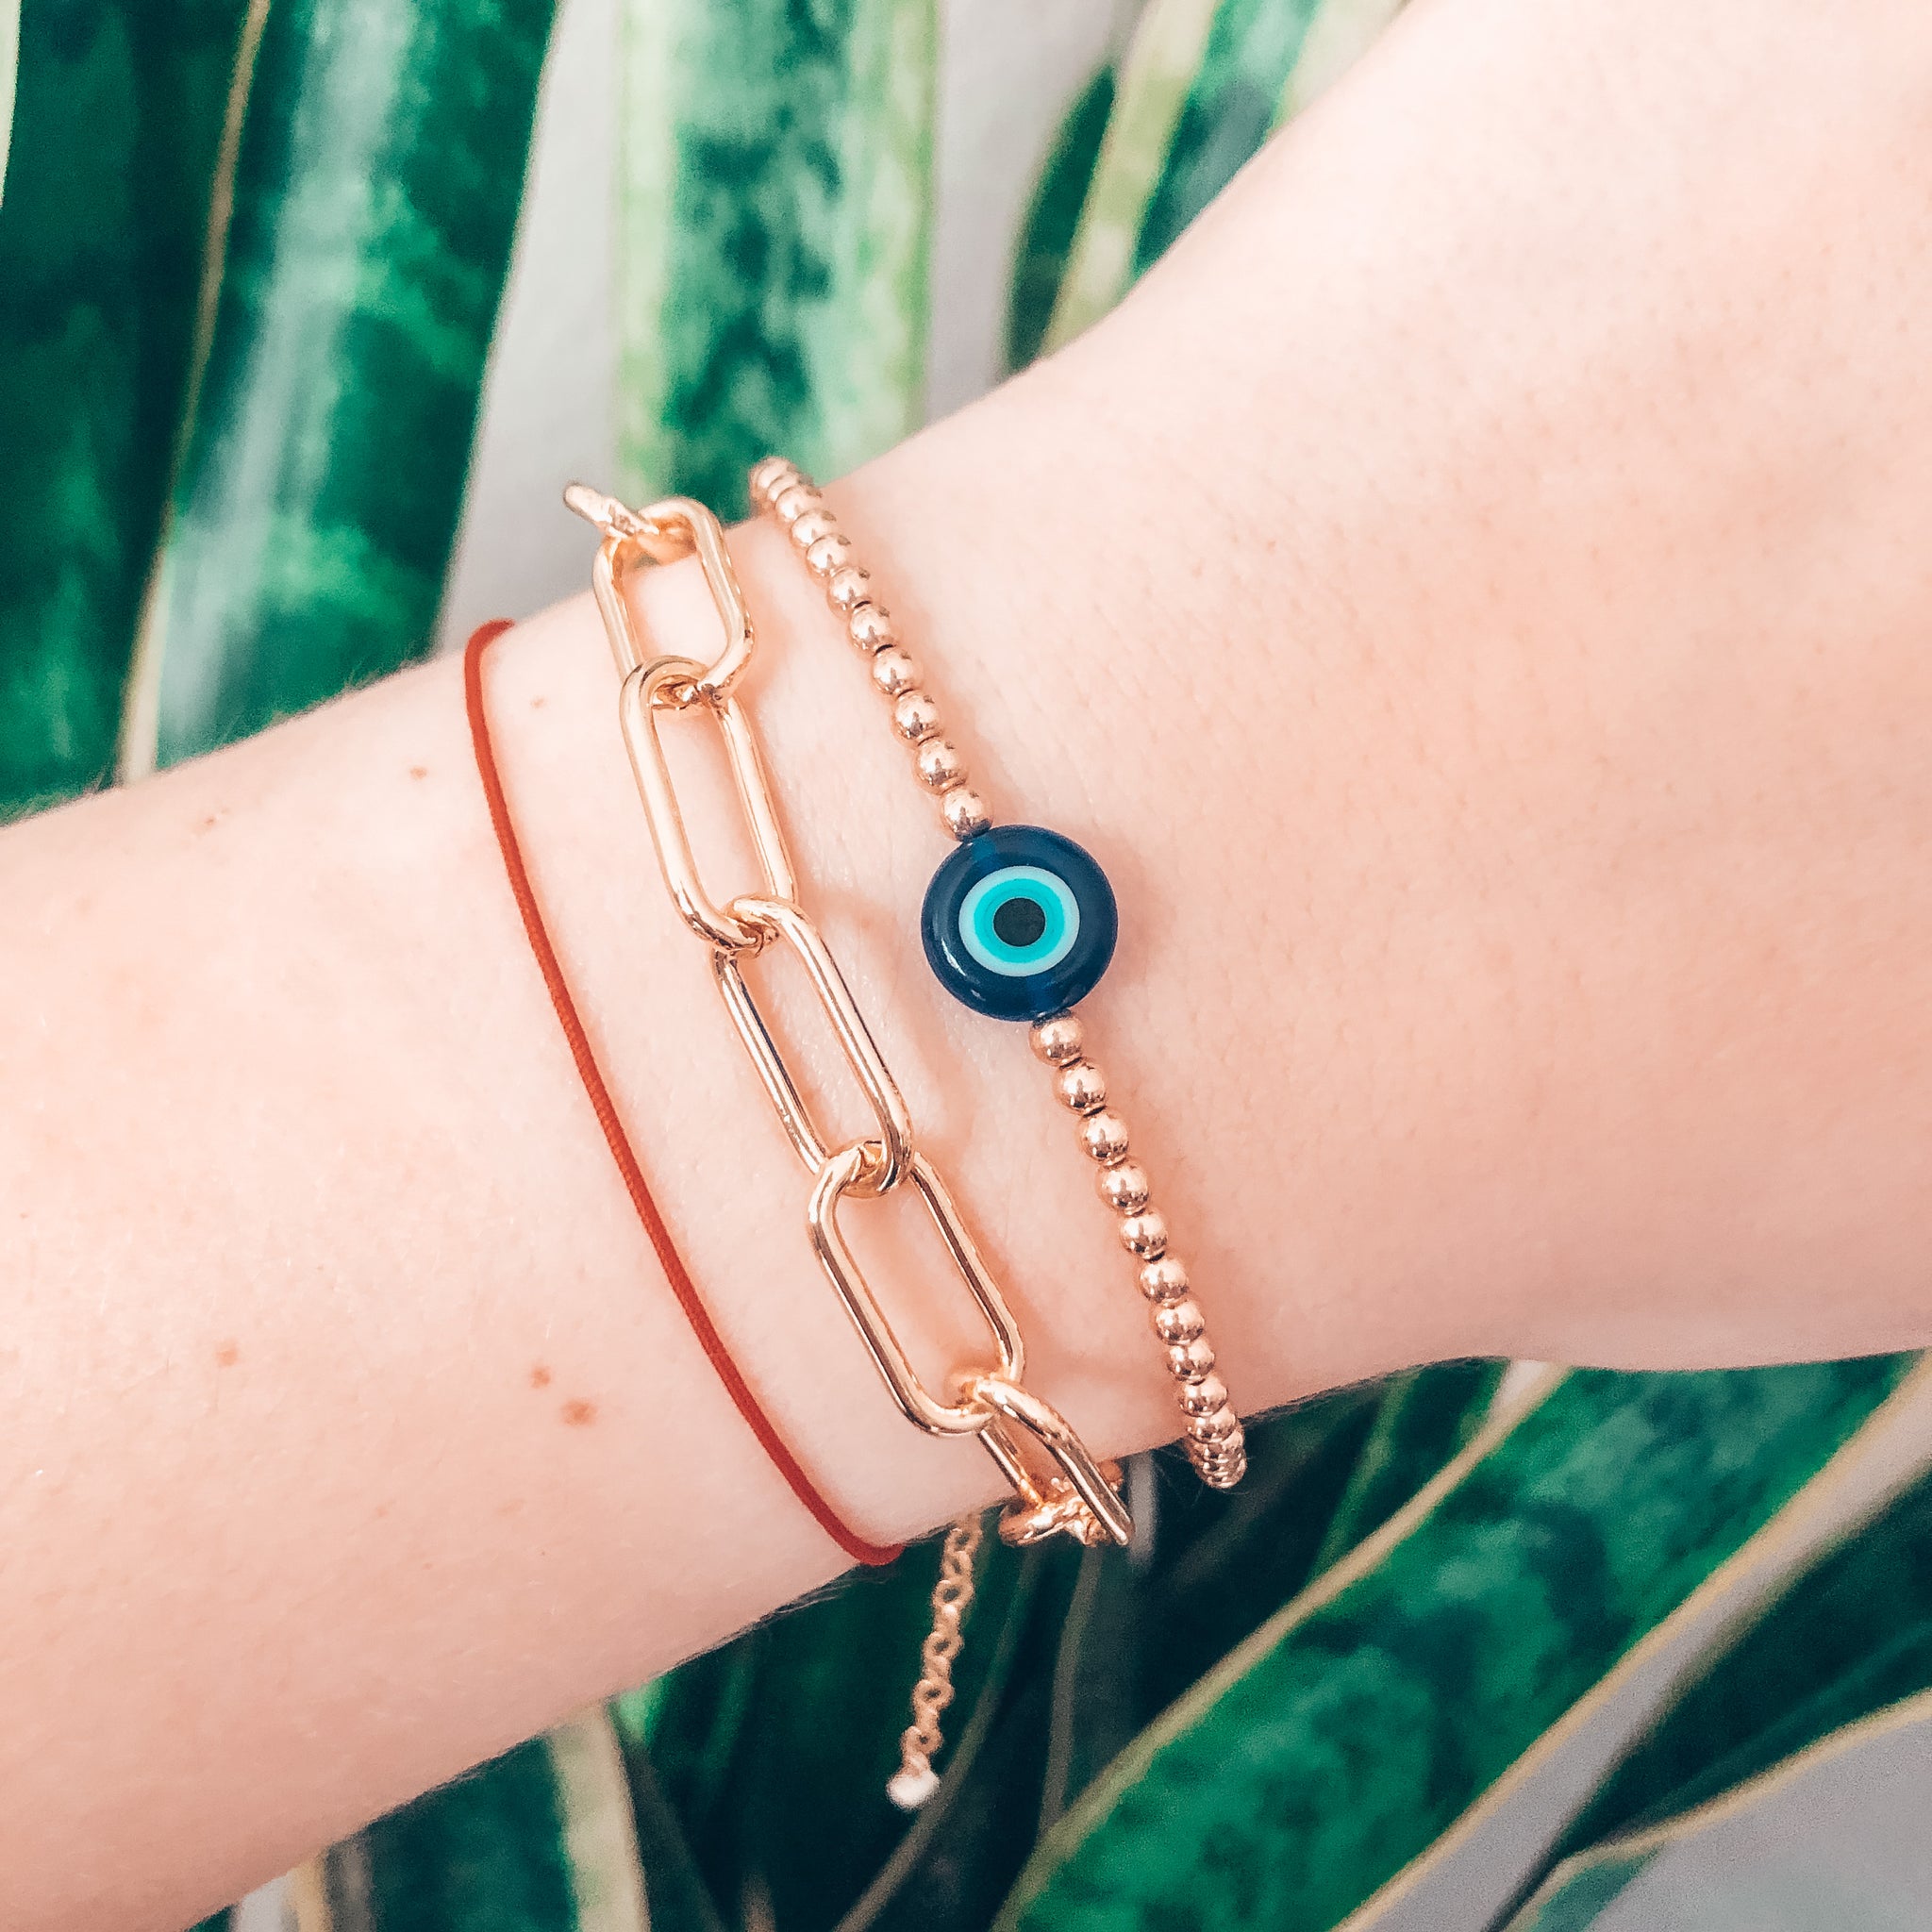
(1055, 898)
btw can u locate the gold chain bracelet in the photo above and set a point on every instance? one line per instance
(1059, 1489)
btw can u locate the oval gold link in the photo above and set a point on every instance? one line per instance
(847, 1171)
(888, 1155)
(662, 533)
(648, 692)
(1013, 1404)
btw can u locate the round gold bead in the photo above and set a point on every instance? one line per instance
(1082, 1087)
(1187, 1361)
(770, 477)
(1125, 1187)
(828, 554)
(915, 716)
(870, 627)
(813, 525)
(1222, 1474)
(1145, 1235)
(1204, 1396)
(1165, 1280)
(1059, 1042)
(793, 503)
(894, 672)
(1215, 1426)
(1178, 1322)
(941, 764)
(1104, 1137)
(848, 586)
(964, 812)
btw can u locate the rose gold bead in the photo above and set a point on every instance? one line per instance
(1105, 1138)
(941, 764)
(848, 586)
(813, 525)
(828, 553)
(792, 504)
(1082, 1087)
(894, 672)
(1165, 1280)
(870, 627)
(1204, 1396)
(1125, 1187)
(964, 812)
(1222, 1475)
(1187, 1361)
(915, 716)
(1216, 1426)
(1060, 1041)
(771, 476)
(1145, 1235)
(1181, 1320)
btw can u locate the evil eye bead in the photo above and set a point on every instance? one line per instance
(1019, 922)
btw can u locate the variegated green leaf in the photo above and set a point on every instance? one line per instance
(1203, 83)
(9, 52)
(1729, 1865)
(1351, 1730)
(1847, 1636)
(352, 294)
(774, 213)
(541, 1839)
(1046, 236)
(117, 120)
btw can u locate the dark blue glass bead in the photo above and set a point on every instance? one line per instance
(1019, 922)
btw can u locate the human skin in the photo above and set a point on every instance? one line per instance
(1473, 600)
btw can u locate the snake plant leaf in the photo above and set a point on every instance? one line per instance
(541, 1839)
(1053, 217)
(117, 122)
(1724, 1866)
(1425, 1417)
(775, 193)
(1229, 111)
(1203, 86)
(1848, 1636)
(354, 290)
(1331, 1749)
(10, 59)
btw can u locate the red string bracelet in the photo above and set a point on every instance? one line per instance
(760, 1424)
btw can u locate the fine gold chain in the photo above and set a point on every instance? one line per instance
(1215, 1442)
(915, 1780)
(1058, 1486)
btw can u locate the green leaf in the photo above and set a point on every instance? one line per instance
(353, 292)
(1848, 1635)
(487, 1854)
(1722, 1855)
(775, 192)
(1203, 86)
(1333, 1747)
(1155, 79)
(9, 56)
(117, 129)
(1046, 236)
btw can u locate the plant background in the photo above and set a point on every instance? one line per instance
(1538, 1652)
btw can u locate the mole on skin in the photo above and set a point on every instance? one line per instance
(540, 1376)
(226, 1356)
(579, 1413)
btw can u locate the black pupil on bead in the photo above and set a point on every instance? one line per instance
(1019, 922)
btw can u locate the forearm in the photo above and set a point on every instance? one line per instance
(1519, 856)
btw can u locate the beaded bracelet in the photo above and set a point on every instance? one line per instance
(1020, 922)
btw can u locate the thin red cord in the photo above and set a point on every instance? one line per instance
(848, 1540)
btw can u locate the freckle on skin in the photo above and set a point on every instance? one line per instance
(540, 1376)
(579, 1413)
(536, 704)
(227, 1354)
(418, 770)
